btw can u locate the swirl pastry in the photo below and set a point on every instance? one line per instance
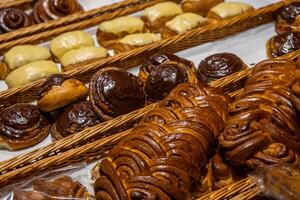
(60, 90)
(12, 19)
(110, 31)
(161, 157)
(31, 72)
(183, 23)
(63, 187)
(133, 41)
(22, 55)
(199, 6)
(283, 44)
(114, 92)
(46, 10)
(21, 126)
(156, 16)
(74, 118)
(288, 19)
(263, 126)
(226, 10)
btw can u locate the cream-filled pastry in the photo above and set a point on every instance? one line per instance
(199, 6)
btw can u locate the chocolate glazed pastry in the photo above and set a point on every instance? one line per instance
(263, 127)
(114, 92)
(46, 10)
(164, 153)
(12, 19)
(75, 118)
(288, 19)
(21, 126)
(283, 44)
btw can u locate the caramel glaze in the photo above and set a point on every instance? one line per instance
(219, 65)
(290, 12)
(21, 121)
(115, 92)
(12, 19)
(75, 118)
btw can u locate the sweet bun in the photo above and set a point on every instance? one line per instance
(31, 72)
(22, 126)
(109, 32)
(288, 18)
(59, 91)
(12, 19)
(199, 6)
(156, 16)
(228, 9)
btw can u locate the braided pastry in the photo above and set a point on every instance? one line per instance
(263, 126)
(288, 19)
(46, 10)
(163, 155)
(12, 19)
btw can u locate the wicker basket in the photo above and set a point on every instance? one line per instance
(29, 92)
(15, 3)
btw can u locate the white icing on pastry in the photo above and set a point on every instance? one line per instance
(122, 24)
(24, 54)
(230, 9)
(140, 39)
(185, 22)
(164, 9)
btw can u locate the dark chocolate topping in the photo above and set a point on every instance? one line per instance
(55, 79)
(163, 79)
(75, 118)
(219, 65)
(285, 43)
(290, 12)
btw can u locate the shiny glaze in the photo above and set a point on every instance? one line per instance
(55, 79)
(290, 12)
(12, 19)
(219, 65)
(75, 118)
(284, 43)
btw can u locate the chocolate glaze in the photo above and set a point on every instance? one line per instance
(219, 65)
(55, 79)
(284, 43)
(75, 118)
(119, 91)
(17, 121)
(290, 12)
(12, 19)
(163, 79)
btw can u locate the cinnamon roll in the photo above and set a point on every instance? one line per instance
(60, 90)
(114, 92)
(21, 126)
(282, 44)
(199, 6)
(287, 19)
(12, 19)
(74, 118)
(46, 10)
(263, 126)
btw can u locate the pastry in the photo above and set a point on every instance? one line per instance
(22, 126)
(74, 118)
(262, 128)
(110, 31)
(46, 10)
(283, 44)
(133, 41)
(199, 6)
(84, 54)
(287, 19)
(12, 19)
(162, 156)
(22, 55)
(60, 90)
(61, 188)
(31, 72)
(113, 92)
(156, 16)
(228, 9)
(68, 41)
(182, 23)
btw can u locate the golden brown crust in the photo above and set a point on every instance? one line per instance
(156, 25)
(199, 6)
(4, 70)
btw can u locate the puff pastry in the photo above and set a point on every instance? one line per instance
(288, 19)
(199, 6)
(228, 9)
(22, 55)
(110, 31)
(156, 16)
(70, 40)
(133, 41)
(31, 72)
